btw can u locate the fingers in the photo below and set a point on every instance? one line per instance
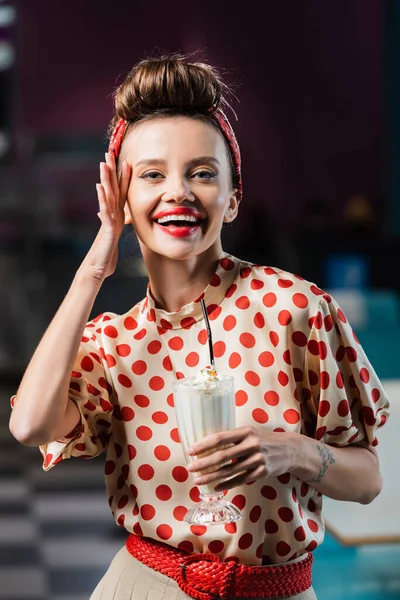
(249, 463)
(103, 207)
(110, 162)
(124, 183)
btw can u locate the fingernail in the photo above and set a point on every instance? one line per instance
(106, 155)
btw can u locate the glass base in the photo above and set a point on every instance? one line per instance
(212, 510)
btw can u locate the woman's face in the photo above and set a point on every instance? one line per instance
(181, 187)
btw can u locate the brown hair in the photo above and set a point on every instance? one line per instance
(171, 85)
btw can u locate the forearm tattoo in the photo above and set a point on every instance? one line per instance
(327, 459)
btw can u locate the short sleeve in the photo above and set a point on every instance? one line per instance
(92, 393)
(344, 396)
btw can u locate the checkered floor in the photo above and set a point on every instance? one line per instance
(57, 535)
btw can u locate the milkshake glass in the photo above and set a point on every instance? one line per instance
(205, 404)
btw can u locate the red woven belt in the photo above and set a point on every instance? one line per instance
(206, 577)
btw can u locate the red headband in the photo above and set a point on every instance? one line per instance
(224, 126)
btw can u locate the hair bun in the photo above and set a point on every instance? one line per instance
(169, 84)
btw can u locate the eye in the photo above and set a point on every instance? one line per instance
(204, 174)
(153, 175)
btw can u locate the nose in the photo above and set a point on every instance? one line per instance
(177, 190)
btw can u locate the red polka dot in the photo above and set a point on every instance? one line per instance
(159, 417)
(162, 452)
(154, 347)
(230, 528)
(364, 375)
(170, 400)
(231, 290)
(284, 317)
(266, 359)
(192, 359)
(164, 531)
(124, 381)
(256, 284)
(176, 343)
(300, 534)
(219, 349)
(351, 354)
(141, 400)
(110, 331)
(284, 478)
(312, 525)
(163, 492)
(203, 337)
(311, 546)
(268, 492)
(167, 364)
(130, 323)
(269, 299)
(282, 548)
(324, 408)
(121, 520)
(369, 416)
(198, 529)
(255, 514)
(325, 380)
(271, 526)
(271, 398)
(109, 467)
(123, 349)
(180, 474)
(175, 435)
(213, 311)
(319, 434)
(156, 383)
(234, 360)
(313, 347)
(245, 272)
(286, 514)
(227, 264)
(240, 501)
(131, 452)
(259, 320)
(229, 323)
(299, 338)
(247, 340)
(215, 281)
(285, 283)
(274, 337)
(179, 512)
(241, 398)
(245, 541)
(300, 300)
(147, 512)
(259, 415)
(291, 416)
(146, 472)
(243, 302)
(343, 408)
(165, 324)
(87, 364)
(194, 494)
(140, 334)
(139, 367)
(144, 433)
(283, 378)
(186, 546)
(127, 414)
(137, 530)
(252, 378)
(375, 395)
(187, 322)
(216, 546)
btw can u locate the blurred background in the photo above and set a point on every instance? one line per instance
(319, 130)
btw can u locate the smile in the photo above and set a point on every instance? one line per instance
(179, 222)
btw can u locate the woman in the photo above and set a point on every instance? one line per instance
(308, 402)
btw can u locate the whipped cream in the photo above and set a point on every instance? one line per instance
(206, 378)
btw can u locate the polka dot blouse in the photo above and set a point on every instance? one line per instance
(298, 367)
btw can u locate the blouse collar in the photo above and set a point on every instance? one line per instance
(219, 287)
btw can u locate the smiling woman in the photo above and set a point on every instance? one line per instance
(308, 403)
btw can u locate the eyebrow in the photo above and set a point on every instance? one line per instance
(191, 163)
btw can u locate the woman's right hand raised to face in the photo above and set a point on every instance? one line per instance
(102, 257)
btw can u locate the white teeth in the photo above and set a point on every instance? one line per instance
(189, 218)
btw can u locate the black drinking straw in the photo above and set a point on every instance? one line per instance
(210, 344)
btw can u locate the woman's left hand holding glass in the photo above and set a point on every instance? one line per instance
(246, 453)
